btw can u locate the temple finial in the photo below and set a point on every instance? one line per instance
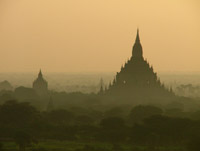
(40, 73)
(137, 47)
(137, 37)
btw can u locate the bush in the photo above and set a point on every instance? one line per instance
(194, 144)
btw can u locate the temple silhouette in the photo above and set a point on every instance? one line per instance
(40, 85)
(137, 79)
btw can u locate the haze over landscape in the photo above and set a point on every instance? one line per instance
(99, 75)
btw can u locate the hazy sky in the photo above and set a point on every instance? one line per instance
(97, 35)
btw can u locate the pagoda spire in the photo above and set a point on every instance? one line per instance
(40, 74)
(101, 91)
(137, 47)
(40, 85)
(137, 40)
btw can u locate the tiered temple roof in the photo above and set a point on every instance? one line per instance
(137, 78)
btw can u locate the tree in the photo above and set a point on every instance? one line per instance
(1, 146)
(17, 114)
(139, 113)
(23, 140)
(119, 111)
(59, 117)
(112, 123)
(113, 129)
(194, 144)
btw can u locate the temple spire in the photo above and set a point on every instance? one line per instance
(137, 40)
(101, 91)
(137, 47)
(40, 85)
(40, 74)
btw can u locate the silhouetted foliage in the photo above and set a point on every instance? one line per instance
(151, 128)
(59, 117)
(23, 140)
(1, 146)
(139, 113)
(194, 144)
(113, 129)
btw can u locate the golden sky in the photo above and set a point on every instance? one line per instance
(97, 35)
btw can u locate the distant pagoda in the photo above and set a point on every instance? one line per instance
(40, 85)
(137, 79)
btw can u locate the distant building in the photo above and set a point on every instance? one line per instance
(101, 90)
(137, 79)
(5, 85)
(40, 85)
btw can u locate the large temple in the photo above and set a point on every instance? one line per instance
(137, 79)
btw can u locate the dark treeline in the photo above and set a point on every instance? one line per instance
(144, 127)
